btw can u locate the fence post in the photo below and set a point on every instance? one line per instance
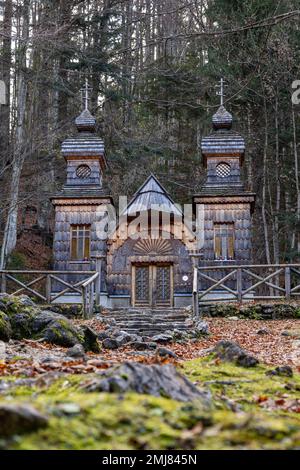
(84, 302)
(287, 282)
(48, 288)
(3, 283)
(239, 284)
(99, 260)
(92, 292)
(195, 293)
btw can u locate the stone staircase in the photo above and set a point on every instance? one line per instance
(148, 322)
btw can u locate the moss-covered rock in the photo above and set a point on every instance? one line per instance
(156, 380)
(61, 332)
(19, 419)
(20, 310)
(5, 327)
(229, 351)
(27, 320)
(42, 319)
(90, 341)
(21, 324)
(220, 310)
(68, 310)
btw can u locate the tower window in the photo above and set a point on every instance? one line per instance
(224, 241)
(83, 171)
(80, 242)
(223, 170)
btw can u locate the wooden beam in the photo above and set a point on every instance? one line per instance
(17, 292)
(260, 278)
(278, 271)
(218, 283)
(67, 284)
(32, 291)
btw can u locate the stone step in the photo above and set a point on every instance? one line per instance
(145, 312)
(147, 322)
(139, 322)
(153, 322)
(147, 316)
(161, 327)
(155, 317)
(149, 333)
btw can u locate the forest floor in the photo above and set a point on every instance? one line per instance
(251, 410)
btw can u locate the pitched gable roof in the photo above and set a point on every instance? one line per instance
(151, 195)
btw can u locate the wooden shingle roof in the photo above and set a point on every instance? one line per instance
(223, 140)
(86, 143)
(151, 195)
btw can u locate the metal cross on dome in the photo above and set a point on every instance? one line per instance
(85, 91)
(221, 91)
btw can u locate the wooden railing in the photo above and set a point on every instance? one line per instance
(195, 293)
(43, 285)
(89, 289)
(246, 282)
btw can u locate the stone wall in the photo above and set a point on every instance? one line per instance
(255, 311)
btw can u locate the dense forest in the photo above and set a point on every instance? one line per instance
(152, 67)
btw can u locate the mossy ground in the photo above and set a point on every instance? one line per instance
(111, 421)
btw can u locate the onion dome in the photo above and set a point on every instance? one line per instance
(222, 140)
(222, 119)
(85, 122)
(85, 144)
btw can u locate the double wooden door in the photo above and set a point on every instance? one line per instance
(152, 285)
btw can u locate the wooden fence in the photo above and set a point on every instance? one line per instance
(40, 285)
(248, 282)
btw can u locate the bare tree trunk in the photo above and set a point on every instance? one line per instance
(64, 21)
(5, 67)
(278, 193)
(264, 189)
(10, 232)
(297, 180)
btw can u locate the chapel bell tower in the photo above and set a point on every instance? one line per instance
(82, 202)
(225, 204)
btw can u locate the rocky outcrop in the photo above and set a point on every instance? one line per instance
(228, 351)
(21, 318)
(281, 371)
(155, 380)
(19, 419)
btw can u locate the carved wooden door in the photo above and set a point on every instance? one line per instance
(162, 288)
(142, 286)
(152, 285)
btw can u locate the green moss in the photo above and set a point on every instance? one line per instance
(62, 332)
(21, 320)
(133, 421)
(16, 260)
(5, 327)
(297, 313)
(241, 384)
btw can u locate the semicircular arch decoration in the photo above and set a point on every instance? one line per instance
(153, 247)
